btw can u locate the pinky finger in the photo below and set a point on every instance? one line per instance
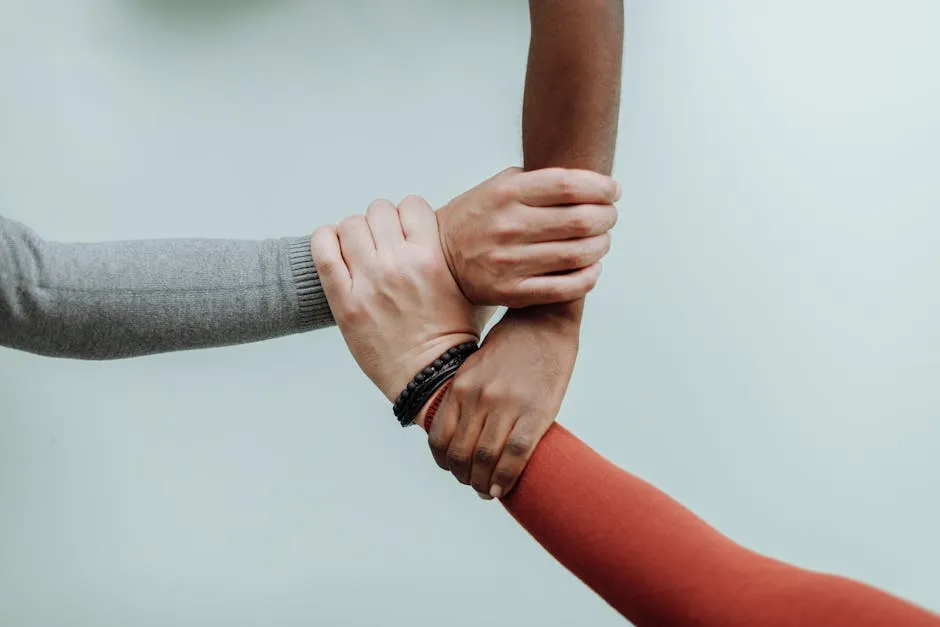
(523, 439)
(557, 288)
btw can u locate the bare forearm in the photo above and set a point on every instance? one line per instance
(572, 88)
(572, 91)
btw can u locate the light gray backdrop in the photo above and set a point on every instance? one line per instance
(764, 345)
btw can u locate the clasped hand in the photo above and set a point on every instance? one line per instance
(405, 283)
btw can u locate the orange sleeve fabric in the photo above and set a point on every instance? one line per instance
(659, 565)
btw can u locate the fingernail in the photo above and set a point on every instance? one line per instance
(485, 497)
(496, 492)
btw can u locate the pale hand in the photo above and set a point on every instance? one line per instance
(391, 293)
(529, 238)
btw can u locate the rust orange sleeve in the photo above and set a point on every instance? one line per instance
(659, 565)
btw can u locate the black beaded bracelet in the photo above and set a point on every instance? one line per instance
(409, 403)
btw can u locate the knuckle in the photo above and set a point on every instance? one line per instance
(351, 314)
(414, 201)
(590, 252)
(581, 222)
(325, 253)
(519, 445)
(380, 204)
(503, 191)
(505, 229)
(484, 456)
(351, 221)
(611, 215)
(457, 458)
(502, 258)
(424, 260)
(323, 233)
(566, 186)
(394, 282)
(590, 281)
(573, 256)
(490, 396)
(463, 389)
(438, 445)
(349, 226)
(504, 476)
(567, 193)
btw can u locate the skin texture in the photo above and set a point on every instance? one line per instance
(529, 238)
(391, 293)
(393, 290)
(507, 395)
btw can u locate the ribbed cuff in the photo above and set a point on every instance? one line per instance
(313, 310)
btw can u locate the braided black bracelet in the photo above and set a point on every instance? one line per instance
(428, 381)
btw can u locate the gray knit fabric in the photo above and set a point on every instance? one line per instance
(126, 299)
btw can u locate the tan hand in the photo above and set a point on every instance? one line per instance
(529, 238)
(391, 292)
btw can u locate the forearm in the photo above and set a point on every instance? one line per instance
(572, 87)
(126, 299)
(658, 564)
(572, 91)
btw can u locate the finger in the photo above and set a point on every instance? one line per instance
(563, 256)
(546, 224)
(382, 218)
(559, 288)
(328, 259)
(355, 240)
(489, 447)
(511, 170)
(460, 452)
(418, 220)
(560, 186)
(521, 443)
(443, 428)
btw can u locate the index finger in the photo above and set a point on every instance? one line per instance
(328, 260)
(561, 186)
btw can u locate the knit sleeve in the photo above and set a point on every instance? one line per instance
(126, 299)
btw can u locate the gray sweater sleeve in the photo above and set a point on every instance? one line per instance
(126, 299)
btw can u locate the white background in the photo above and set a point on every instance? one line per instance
(764, 345)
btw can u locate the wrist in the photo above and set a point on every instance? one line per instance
(443, 229)
(412, 364)
(562, 318)
(426, 416)
(429, 380)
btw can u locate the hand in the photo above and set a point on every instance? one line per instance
(504, 398)
(391, 292)
(508, 242)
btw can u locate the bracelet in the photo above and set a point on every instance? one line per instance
(409, 403)
(433, 406)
